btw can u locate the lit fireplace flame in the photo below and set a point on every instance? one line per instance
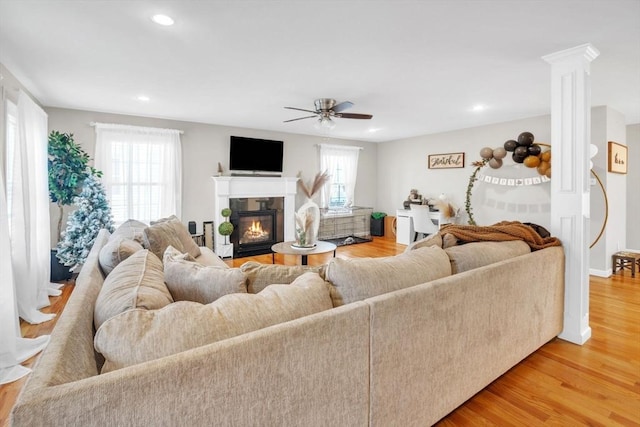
(255, 232)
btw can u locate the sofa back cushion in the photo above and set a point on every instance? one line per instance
(188, 280)
(137, 336)
(169, 232)
(359, 278)
(117, 250)
(477, 254)
(137, 282)
(259, 276)
(131, 229)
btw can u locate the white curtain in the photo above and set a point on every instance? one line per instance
(30, 224)
(13, 348)
(142, 171)
(22, 249)
(341, 158)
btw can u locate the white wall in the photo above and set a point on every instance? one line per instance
(402, 165)
(633, 181)
(607, 125)
(204, 145)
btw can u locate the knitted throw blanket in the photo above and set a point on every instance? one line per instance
(502, 231)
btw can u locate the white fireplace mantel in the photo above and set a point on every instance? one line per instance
(233, 187)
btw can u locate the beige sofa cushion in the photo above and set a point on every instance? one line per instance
(117, 250)
(359, 278)
(188, 280)
(131, 229)
(477, 254)
(169, 232)
(259, 276)
(137, 282)
(432, 240)
(136, 336)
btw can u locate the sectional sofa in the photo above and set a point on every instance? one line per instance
(400, 340)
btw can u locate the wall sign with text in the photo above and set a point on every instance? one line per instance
(617, 157)
(446, 161)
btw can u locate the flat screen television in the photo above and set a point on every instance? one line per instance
(255, 155)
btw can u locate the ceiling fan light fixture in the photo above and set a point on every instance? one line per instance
(325, 122)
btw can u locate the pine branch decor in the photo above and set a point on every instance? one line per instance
(93, 213)
(309, 189)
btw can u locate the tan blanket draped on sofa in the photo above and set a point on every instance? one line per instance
(501, 231)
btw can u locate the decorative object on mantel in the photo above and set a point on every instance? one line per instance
(308, 215)
(524, 151)
(220, 169)
(617, 158)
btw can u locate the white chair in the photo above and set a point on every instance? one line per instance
(422, 222)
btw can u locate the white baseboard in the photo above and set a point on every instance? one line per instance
(600, 273)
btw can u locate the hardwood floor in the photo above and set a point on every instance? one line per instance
(561, 384)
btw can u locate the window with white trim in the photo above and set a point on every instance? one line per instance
(341, 163)
(142, 171)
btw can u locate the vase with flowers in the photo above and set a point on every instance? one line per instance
(307, 216)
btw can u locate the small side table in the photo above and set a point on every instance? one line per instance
(626, 259)
(286, 249)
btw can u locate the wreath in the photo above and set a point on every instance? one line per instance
(523, 150)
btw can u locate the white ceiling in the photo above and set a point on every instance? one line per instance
(418, 66)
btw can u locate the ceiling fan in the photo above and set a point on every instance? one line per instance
(326, 110)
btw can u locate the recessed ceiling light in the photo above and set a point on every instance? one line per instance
(478, 107)
(143, 98)
(162, 20)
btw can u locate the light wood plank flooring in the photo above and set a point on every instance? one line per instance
(561, 384)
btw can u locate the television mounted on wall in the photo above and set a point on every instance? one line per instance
(254, 155)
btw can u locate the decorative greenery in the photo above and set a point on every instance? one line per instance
(84, 223)
(225, 228)
(472, 179)
(68, 169)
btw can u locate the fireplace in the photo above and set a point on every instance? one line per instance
(257, 225)
(228, 189)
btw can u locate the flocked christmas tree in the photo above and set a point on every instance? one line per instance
(84, 223)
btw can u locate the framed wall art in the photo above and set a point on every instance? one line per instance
(617, 157)
(446, 161)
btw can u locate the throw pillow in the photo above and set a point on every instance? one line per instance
(131, 229)
(432, 240)
(477, 254)
(136, 282)
(356, 279)
(115, 251)
(259, 276)
(188, 280)
(137, 336)
(170, 232)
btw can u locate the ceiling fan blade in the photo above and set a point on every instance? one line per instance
(354, 116)
(301, 109)
(342, 106)
(299, 118)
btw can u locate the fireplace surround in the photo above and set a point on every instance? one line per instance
(236, 187)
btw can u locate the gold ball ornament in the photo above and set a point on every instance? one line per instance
(532, 161)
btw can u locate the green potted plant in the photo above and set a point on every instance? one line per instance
(68, 169)
(226, 228)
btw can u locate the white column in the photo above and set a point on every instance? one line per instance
(570, 139)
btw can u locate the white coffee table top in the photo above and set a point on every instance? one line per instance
(286, 248)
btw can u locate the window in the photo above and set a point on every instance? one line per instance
(142, 172)
(341, 162)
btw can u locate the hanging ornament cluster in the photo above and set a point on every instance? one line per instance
(523, 150)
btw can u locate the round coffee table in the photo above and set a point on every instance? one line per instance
(286, 248)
